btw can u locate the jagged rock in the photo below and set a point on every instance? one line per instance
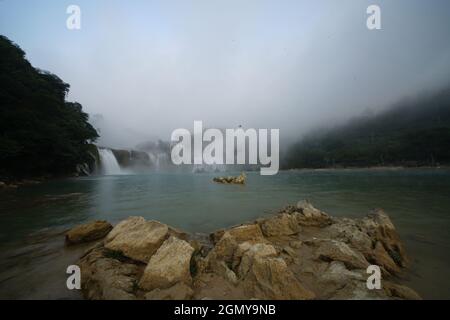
(270, 278)
(201, 264)
(380, 228)
(348, 231)
(88, 232)
(224, 249)
(179, 291)
(310, 216)
(339, 275)
(247, 252)
(137, 238)
(221, 268)
(290, 252)
(216, 236)
(178, 233)
(107, 278)
(357, 290)
(381, 257)
(339, 251)
(169, 265)
(260, 260)
(229, 241)
(399, 291)
(281, 225)
(246, 232)
(296, 244)
(82, 170)
(240, 233)
(369, 236)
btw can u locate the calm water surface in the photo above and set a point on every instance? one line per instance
(33, 259)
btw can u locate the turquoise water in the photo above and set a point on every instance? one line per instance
(418, 201)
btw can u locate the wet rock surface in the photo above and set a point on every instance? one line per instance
(88, 232)
(300, 253)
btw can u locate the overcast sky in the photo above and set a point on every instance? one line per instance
(149, 67)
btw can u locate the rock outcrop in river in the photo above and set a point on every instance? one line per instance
(300, 253)
(231, 180)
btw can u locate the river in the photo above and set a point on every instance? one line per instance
(33, 258)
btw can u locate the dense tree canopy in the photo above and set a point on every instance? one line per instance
(415, 132)
(40, 132)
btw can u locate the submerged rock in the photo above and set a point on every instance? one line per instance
(301, 253)
(88, 232)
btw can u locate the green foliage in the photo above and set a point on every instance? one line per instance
(411, 133)
(40, 132)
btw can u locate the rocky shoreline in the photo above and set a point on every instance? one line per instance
(300, 253)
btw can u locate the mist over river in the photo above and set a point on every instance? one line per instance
(33, 259)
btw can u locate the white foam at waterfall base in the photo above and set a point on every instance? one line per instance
(108, 162)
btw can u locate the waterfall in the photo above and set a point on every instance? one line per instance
(159, 160)
(108, 162)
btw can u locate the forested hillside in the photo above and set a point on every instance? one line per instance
(40, 132)
(415, 132)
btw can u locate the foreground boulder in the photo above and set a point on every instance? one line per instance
(168, 266)
(271, 278)
(88, 232)
(281, 225)
(179, 291)
(301, 253)
(137, 238)
(380, 228)
(105, 276)
(333, 250)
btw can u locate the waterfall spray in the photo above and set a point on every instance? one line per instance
(108, 162)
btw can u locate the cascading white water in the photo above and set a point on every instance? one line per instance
(108, 162)
(158, 160)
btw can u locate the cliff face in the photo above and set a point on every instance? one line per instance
(300, 253)
(131, 158)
